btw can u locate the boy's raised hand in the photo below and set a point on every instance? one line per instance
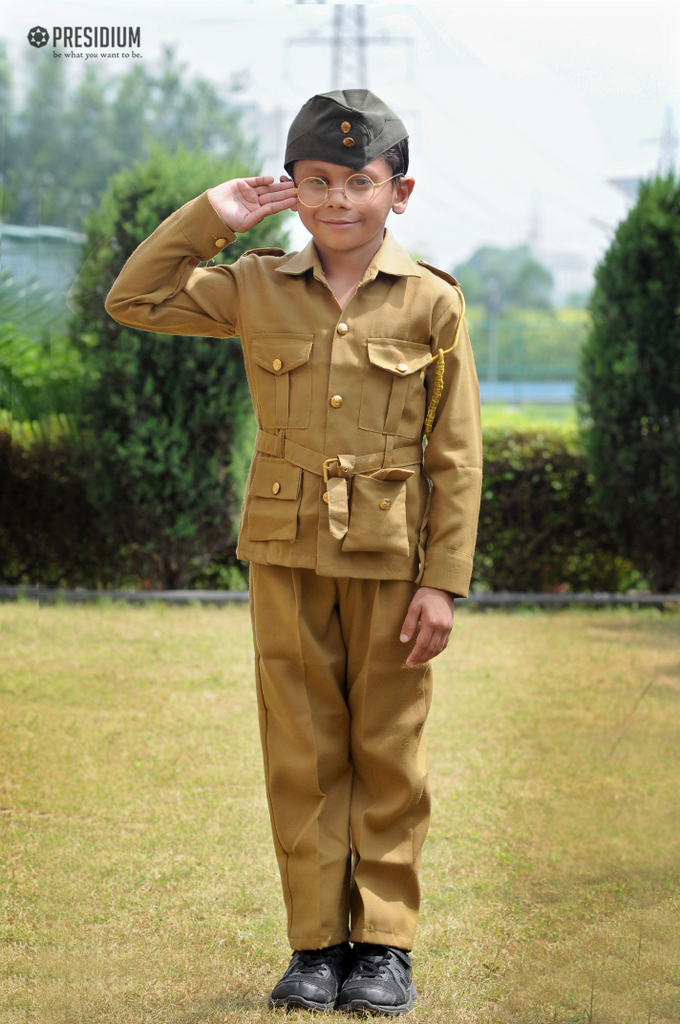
(244, 202)
(432, 609)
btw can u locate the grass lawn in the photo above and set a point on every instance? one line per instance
(528, 416)
(138, 880)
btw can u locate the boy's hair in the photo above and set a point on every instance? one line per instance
(397, 157)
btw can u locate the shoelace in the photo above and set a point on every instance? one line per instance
(373, 964)
(309, 960)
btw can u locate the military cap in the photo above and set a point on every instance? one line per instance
(349, 127)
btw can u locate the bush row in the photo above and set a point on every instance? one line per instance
(48, 529)
(539, 526)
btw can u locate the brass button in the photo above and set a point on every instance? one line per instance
(342, 328)
(336, 401)
(402, 367)
(347, 141)
(276, 487)
(325, 496)
(220, 243)
(277, 364)
(385, 503)
(345, 126)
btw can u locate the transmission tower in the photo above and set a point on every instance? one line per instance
(349, 44)
(668, 145)
(348, 62)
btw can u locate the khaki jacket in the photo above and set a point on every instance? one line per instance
(339, 482)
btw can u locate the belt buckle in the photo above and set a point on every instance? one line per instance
(327, 466)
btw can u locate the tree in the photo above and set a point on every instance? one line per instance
(160, 413)
(498, 278)
(36, 154)
(630, 383)
(63, 145)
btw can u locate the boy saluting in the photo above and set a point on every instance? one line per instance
(359, 537)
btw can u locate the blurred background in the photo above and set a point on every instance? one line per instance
(532, 126)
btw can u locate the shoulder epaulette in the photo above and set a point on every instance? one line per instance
(440, 273)
(264, 252)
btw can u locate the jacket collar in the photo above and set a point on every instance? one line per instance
(391, 258)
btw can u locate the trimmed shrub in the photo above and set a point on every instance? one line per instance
(630, 384)
(162, 413)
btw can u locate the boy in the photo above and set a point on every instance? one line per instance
(358, 541)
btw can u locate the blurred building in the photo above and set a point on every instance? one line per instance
(48, 254)
(571, 271)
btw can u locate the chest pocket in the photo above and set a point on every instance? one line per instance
(393, 393)
(282, 379)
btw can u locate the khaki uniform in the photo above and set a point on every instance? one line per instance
(340, 502)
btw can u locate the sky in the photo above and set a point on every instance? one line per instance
(518, 111)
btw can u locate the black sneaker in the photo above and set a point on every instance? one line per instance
(380, 981)
(313, 978)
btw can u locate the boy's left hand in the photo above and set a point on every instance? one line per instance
(433, 609)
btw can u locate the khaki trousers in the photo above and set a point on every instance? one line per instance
(341, 721)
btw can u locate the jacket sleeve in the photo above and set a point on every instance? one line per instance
(161, 287)
(453, 463)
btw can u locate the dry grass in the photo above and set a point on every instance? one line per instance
(138, 881)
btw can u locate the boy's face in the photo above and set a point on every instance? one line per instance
(340, 224)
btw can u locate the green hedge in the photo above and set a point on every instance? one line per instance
(539, 527)
(48, 531)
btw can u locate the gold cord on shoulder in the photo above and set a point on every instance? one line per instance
(439, 370)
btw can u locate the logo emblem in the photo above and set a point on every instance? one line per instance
(38, 36)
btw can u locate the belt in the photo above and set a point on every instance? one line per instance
(336, 470)
(347, 465)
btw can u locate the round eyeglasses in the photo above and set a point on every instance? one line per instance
(358, 188)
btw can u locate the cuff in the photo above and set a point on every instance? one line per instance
(204, 228)
(452, 573)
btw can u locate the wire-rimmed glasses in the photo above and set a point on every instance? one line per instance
(358, 188)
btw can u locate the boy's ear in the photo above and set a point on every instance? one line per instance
(402, 192)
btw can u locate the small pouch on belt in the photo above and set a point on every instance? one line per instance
(378, 515)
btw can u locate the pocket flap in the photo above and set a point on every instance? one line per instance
(398, 357)
(281, 353)
(274, 478)
(392, 473)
